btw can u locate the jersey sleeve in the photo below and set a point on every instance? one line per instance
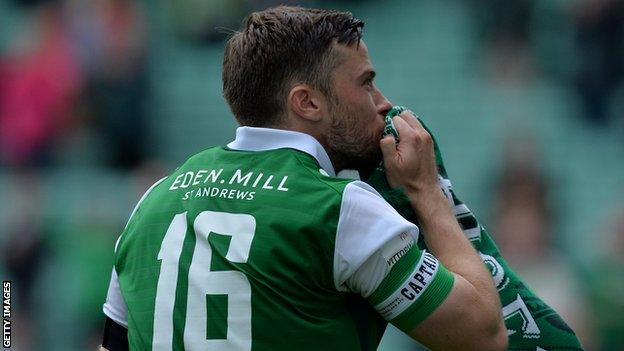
(377, 257)
(115, 307)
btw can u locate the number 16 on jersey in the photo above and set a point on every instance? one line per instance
(231, 289)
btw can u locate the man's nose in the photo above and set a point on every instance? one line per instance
(383, 105)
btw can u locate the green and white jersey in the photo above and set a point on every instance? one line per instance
(259, 246)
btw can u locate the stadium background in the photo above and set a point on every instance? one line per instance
(99, 98)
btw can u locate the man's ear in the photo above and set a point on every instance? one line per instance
(307, 102)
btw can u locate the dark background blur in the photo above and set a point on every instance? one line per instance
(100, 98)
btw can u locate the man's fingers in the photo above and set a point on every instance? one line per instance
(405, 130)
(401, 124)
(411, 130)
(410, 118)
(388, 147)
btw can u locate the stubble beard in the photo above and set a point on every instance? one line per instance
(348, 147)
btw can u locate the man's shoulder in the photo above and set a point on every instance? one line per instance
(333, 183)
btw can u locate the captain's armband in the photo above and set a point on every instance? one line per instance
(415, 286)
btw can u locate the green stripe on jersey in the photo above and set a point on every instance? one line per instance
(432, 297)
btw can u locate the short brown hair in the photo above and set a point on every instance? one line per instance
(277, 48)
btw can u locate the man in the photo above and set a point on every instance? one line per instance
(259, 246)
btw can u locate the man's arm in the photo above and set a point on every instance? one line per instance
(473, 306)
(470, 317)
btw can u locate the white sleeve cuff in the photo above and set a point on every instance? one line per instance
(115, 306)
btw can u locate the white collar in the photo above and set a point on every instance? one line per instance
(262, 139)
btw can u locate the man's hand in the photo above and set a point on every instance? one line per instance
(410, 164)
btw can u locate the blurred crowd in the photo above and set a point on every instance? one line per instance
(75, 92)
(585, 52)
(80, 69)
